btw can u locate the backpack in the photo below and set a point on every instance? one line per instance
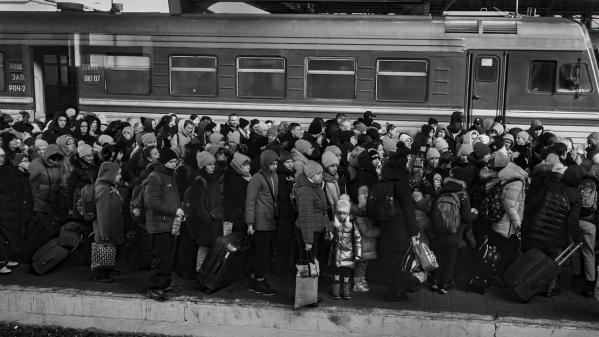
(137, 202)
(492, 204)
(588, 191)
(86, 203)
(381, 204)
(446, 216)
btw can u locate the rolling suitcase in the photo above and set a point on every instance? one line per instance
(532, 271)
(48, 256)
(72, 234)
(224, 262)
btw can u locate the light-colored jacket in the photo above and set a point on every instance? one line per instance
(513, 178)
(347, 243)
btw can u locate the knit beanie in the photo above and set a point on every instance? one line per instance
(315, 128)
(465, 150)
(84, 150)
(329, 159)
(440, 144)
(70, 112)
(205, 158)
(213, 149)
(128, 129)
(524, 135)
(481, 150)
(509, 137)
(148, 138)
(312, 168)
(261, 127)
(215, 138)
(235, 137)
(238, 158)
(432, 121)
(105, 139)
(389, 144)
(303, 146)
(373, 133)
(18, 158)
(499, 128)
(500, 160)
(166, 155)
(405, 138)
(333, 148)
(432, 153)
(552, 159)
(343, 206)
(363, 189)
(373, 154)
(285, 156)
(40, 142)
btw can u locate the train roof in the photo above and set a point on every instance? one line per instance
(455, 33)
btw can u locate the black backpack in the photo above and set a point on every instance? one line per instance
(381, 204)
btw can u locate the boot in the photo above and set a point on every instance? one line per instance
(346, 290)
(365, 285)
(336, 291)
(360, 285)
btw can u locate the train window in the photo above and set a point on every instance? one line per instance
(331, 78)
(127, 75)
(261, 77)
(401, 80)
(2, 74)
(542, 76)
(573, 77)
(486, 68)
(193, 75)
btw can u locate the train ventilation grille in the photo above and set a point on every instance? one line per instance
(500, 27)
(461, 26)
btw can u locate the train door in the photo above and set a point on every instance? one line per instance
(58, 78)
(487, 84)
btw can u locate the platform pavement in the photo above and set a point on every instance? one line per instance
(69, 297)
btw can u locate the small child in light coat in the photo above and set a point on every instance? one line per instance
(369, 233)
(346, 249)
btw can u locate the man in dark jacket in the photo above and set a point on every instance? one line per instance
(261, 213)
(163, 205)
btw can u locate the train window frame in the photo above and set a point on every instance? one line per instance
(105, 67)
(425, 74)
(554, 77)
(239, 70)
(3, 79)
(308, 72)
(191, 69)
(560, 91)
(479, 65)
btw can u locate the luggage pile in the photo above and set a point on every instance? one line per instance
(52, 253)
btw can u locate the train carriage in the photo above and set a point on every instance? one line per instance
(297, 67)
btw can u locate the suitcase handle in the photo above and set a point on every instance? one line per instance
(571, 249)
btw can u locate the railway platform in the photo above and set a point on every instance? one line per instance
(69, 297)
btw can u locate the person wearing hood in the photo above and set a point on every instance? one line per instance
(558, 217)
(592, 145)
(166, 131)
(455, 129)
(94, 126)
(370, 162)
(85, 165)
(235, 189)
(10, 144)
(301, 154)
(108, 224)
(58, 127)
(315, 137)
(203, 131)
(40, 147)
(148, 125)
(396, 232)
(187, 170)
(126, 142)
(331, 186)
(162, 206)
(81, 133)
(16, 208)
(283, 244)
(261, 214)
(368, 120)
(45, 175)
(183, 137)
(535, 131)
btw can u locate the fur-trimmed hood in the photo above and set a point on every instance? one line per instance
(451, 185)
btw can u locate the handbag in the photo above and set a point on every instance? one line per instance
(306, 283)
(103, 256)
(424, 254)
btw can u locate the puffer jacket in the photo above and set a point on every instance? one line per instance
(514, 180)
(259, 202)
(299, 161)
(180, 139)
(559, 213)
(161, 199)
(347, 244)
(46, 182)
(368, 232)
(311, 206)
(108, 225)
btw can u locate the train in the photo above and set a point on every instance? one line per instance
(405, 69)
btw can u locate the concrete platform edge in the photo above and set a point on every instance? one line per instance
(190, 316)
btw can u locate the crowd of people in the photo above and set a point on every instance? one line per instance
(342, 192)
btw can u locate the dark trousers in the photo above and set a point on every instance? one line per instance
(162, 260)
(187, 251)
(342, 272)
(395, 278)
(447, 257)
(11, 241)
(301, 245)
(261, 257)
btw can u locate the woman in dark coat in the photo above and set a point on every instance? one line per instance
(59, 127)
(283, 252)
(235, 189)
(85, 166)
(396, 232)
(81, 133)
(369, 161)
(108, 225)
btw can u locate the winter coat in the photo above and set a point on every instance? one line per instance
(16, 199)
(299, 161)
(46, 183)
(184, 175)
(475, 184)
(259, 202)
(513, 196)
(180, 139)
(332, 191)
(54, 131)
(311, 206)
(522, 158)
(161, 200)
(81, 174)
(347, 244)
(108, 224)
(452, 185)
(201, 207)
(367, 176)
(287, 214)
(368, 232)
(235, 191)
(559, 213)
(256, 145)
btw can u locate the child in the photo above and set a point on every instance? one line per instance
(346, 249)
(369, 234)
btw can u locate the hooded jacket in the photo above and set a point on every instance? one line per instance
(108, 225)
(161, 199)
(311, 206)
(54, 131)
(181, 139)
(235, 191)
(86, 138)
(46, 182)
(259, 202)
(514, 181)
(201, 205)
(81, 174)
(299, 161)
(347, 244)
